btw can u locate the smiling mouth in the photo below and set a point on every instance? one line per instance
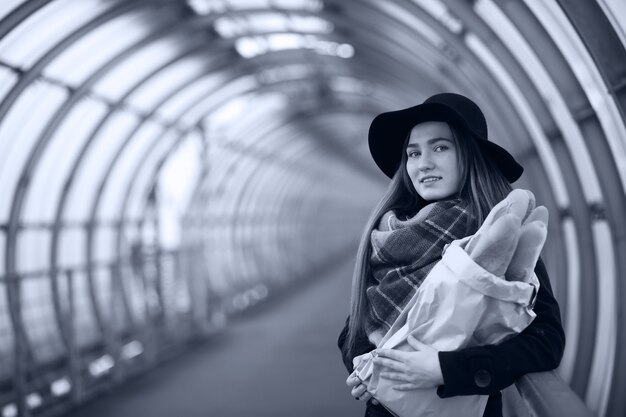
(429, 180)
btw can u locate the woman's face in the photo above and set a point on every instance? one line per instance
(433, 161)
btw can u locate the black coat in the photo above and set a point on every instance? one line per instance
(486, 370)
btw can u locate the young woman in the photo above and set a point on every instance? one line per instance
(437, 152)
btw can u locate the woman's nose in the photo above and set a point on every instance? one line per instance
(425, 163)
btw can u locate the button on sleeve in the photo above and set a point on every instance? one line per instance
(482, 378)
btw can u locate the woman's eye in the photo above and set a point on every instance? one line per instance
(440, 148)
(413, 154)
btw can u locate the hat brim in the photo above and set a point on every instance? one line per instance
(389, 131)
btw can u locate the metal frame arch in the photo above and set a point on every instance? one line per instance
(118, 232)
(608, 53)
(576, 189)
(256, 157)
(462, 49)
(566, 39)
(22, 346)
(114, 159)
(35, 71)
(48, 134)
(335, 18)
(604, 46)
(114, 109)
(362, 45)
(19, 14)
(251, 170)
(70, 180)
(24, 81)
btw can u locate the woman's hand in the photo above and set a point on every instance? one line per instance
(359, 390)
(417, 369)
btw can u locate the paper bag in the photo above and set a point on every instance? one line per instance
(459, 304)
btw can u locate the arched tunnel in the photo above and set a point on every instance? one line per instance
(169, 167)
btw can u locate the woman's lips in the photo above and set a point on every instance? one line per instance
(429, 180)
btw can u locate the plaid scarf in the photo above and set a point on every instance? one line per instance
(403, 253)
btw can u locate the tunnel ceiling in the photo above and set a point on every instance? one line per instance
(233, 132)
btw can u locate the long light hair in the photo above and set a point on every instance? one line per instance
(483, 187)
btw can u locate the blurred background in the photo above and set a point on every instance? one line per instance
(183, 184)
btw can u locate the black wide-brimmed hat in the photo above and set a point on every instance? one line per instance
(389, 131)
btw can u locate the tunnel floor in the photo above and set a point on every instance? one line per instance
(277, 360)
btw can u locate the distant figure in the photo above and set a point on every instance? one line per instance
(448, 182)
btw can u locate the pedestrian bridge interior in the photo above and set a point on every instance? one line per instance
(176, 171)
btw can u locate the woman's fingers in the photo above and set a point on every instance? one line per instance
(365, 397)
(405, 387)
(353, 380)
(389, 363)
(396, 376)
(391, 353)
(417, 345)
(414, 343)
(358, 391)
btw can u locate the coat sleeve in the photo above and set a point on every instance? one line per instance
(485, 370)
(363, 345)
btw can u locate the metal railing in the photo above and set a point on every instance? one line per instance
(545, 394)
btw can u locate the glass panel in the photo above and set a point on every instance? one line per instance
(28, 42)
(311, 5)
(615, 10)
(232, 89)
(134, 284)
(18, 133)
(193, 92)
(102, 276)
(6, 327)
(3, 240)
(39, 319)
(282, 73)
(7, 6)
(573, 49)
(144, 179)
(229, 27)
(95, 162)
(412, 21)
(542, 145)
(572, 314)
(603, 364)
(262, 110)
(251, 46)
(165, 82)
(536, 72)
(216, 246)
(49, 176)
(95, 49)
(248, 4)
(224, 116)
(86, 329)
(440, 11)
(33, 250)
(72, 244)
(204, 7)
(133, 69)
(7, 338)
(177, 182)
(110, 204)
(8, 79)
